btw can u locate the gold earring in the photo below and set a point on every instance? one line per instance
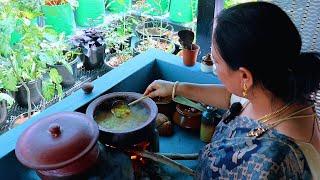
(245, 89)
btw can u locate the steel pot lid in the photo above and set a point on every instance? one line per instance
(57, 140)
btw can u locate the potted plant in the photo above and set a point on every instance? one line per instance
(90, 12)
(117, 6)
(56, 54)
(119, 32)
(190, 51)
(59, 15)
(22, 69)
(154, 42)
(119, 57)
(92, 46)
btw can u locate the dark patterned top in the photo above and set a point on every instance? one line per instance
(234, 155)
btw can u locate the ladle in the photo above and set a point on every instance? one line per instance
(121, 109)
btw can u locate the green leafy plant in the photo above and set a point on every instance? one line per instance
(53, 85)
(53, 50)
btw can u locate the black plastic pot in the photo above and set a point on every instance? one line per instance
(94, 58)
(68, 78)
(3, 112)
(35, 88)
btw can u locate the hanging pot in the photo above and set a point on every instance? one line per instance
(35, 88)
(62, 145)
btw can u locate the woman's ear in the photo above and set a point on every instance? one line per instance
(246, 77)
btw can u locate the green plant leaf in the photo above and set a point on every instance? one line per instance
(55, 76)
(48, 90)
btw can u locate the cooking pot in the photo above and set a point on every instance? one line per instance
(187, 117)
(61, 145)
(128, 137)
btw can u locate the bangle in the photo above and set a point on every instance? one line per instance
(174, 89)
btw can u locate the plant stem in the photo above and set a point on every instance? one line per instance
(25, 86)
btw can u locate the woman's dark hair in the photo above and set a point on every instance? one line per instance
(261, 37)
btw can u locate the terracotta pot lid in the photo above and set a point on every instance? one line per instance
(57, 140)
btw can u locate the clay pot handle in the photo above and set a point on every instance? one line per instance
(55, 129)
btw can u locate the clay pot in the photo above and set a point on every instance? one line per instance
(190, 56)
(187, 117)
(59, 146)
(165, 106)
(125, 138)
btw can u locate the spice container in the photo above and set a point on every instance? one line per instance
(206, 63)
(208, 124)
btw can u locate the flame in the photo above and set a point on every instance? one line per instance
(133, 157)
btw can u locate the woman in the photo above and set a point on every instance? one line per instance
(256, 49)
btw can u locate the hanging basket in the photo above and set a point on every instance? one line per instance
(90, 12)
(60, 18)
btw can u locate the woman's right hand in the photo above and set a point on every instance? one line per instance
(159, 88)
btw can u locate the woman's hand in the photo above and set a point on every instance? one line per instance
(159, 88)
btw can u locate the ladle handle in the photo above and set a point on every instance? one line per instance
(138, 100)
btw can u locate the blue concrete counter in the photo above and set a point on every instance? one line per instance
(134, 75)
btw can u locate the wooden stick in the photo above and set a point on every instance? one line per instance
(177, 156)
(163, 159)
(138, 100)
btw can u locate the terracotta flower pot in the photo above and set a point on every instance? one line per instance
(190, 56)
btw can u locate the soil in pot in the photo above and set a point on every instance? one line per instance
(35, 88)
(158, 43)
(116, 60)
